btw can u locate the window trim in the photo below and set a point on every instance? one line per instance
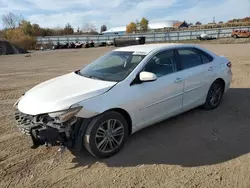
(196, 50)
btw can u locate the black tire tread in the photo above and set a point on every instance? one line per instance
(93, 124)
(207, 104)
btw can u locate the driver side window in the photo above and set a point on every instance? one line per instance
(162, 63)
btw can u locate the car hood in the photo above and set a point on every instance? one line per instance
(60, 93)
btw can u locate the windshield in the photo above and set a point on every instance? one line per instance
(114, 66)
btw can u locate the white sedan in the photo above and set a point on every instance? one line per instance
(130, 88)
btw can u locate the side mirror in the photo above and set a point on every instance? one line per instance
(147, 76)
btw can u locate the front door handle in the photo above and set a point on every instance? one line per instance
(210, 69)
(177, 80)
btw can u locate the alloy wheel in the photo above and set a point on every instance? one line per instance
(109, 135)
(215, 94)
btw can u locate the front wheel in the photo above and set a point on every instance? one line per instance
(106, 134)
(214, 95)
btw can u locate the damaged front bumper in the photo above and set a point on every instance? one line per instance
(45, 130)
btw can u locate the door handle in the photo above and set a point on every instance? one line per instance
(177, 80)
(210, 69)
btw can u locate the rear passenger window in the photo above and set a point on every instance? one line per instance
(205, 59)
(193, 57)
(189, 58)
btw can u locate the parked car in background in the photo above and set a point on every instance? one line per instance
(109, 42)
(67, 45)
(240, 34)
(78, 44)
(89, 44)
(205, 36)
(59, 45)
(129, 41)
(122, 92)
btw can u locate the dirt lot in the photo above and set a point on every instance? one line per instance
(197, 149)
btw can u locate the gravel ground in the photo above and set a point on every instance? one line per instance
(196, 149)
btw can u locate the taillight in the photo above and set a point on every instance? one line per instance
(229, 65)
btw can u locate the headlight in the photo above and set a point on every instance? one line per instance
(65, 115)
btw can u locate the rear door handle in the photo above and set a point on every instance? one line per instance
(210, 69)
(177, 80)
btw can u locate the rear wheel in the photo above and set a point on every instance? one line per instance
(106, 134)
(214, 95)
(235, 36)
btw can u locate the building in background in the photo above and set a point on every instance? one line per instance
(154, 26)
(179, 25)
(115, 31)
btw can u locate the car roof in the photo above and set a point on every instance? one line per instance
(147, 48)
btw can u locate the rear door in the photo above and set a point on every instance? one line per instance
(198, 73)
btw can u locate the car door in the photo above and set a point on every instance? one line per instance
(198, 72)
(161, 98)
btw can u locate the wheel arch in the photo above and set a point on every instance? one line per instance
(222, 81)
(206, 105)
(125, 114)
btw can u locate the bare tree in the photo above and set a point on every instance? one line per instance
(78, 30)
(1, 34)
(68, 30)
(11, 20)
(89, 28)
(198, 23)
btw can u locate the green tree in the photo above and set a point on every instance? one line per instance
(26, 27)
(130, 28)
(37, 31)
(138, 25)
(103, 28)
(19, 38)
(144, 24)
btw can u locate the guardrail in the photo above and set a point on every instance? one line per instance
(150, 37)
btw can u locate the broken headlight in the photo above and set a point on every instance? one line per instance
(65, 115)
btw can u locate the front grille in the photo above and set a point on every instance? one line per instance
(24, 122)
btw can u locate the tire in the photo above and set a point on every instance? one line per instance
(98, 137)
(214, 95)
(235, 36)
